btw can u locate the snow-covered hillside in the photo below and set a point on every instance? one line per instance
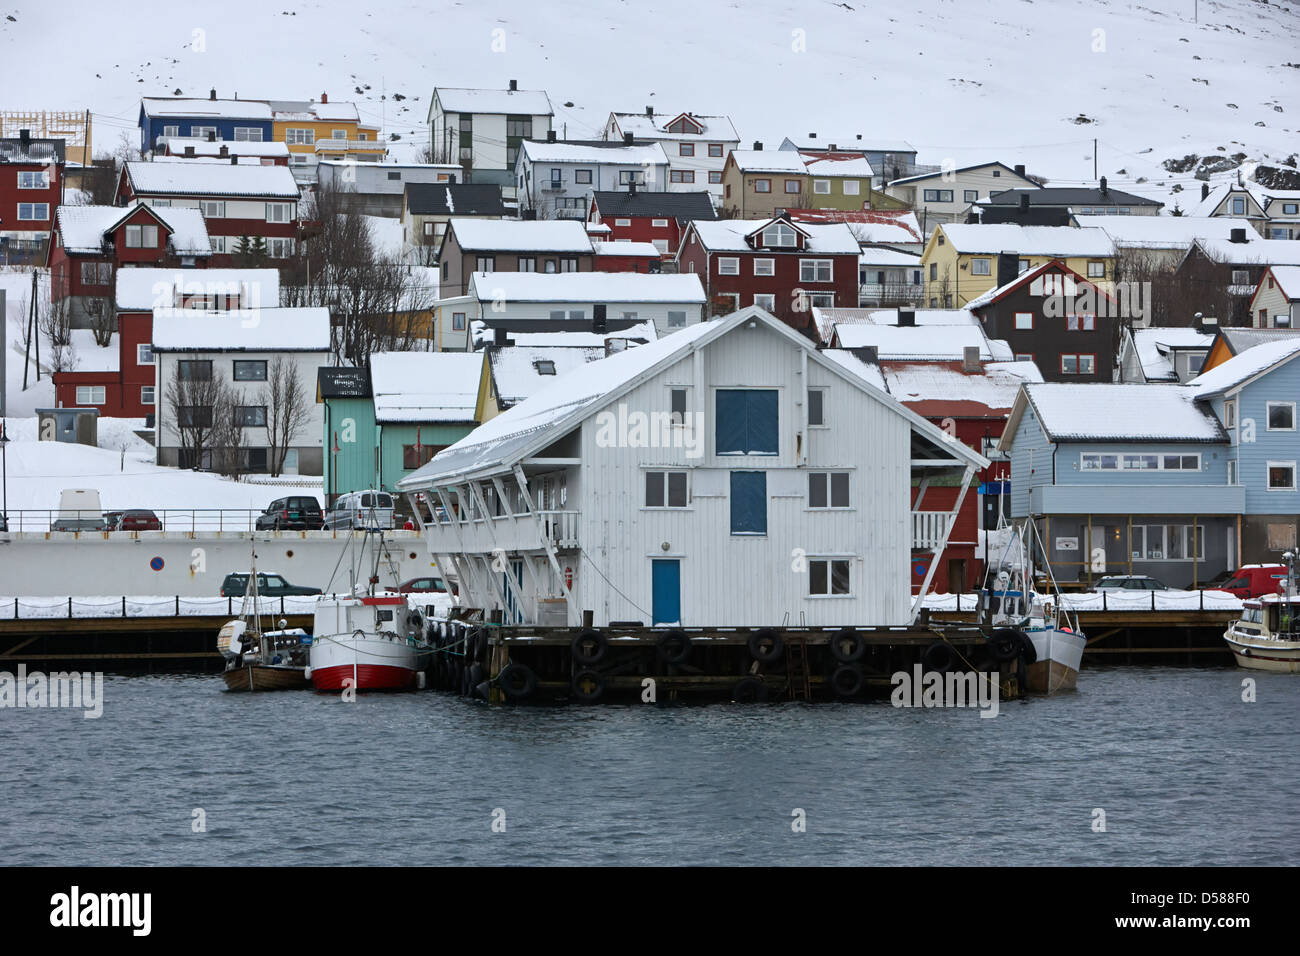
(1030, 81)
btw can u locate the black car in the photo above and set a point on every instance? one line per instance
(295, 513)
(269, 584)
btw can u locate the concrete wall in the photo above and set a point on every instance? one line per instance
(36, 564)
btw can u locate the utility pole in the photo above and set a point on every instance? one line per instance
(1094, 159)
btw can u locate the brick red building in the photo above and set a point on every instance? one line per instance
(778, 265)
(31, 187)
(623, 256)
(658, 218)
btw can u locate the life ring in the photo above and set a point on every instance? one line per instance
(588, 685)
(848, 646)
(939, 657)
(749, 690)
(517, 681)
(589, 647)
(847, 680)
(674, 647)
(766, 645)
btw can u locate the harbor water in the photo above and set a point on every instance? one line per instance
(179, 771)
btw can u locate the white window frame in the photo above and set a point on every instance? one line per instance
(139, 230)
(666, 472)
(1268, 415)
(826, 476)
(144, 353)
(659, 223)
(1020, 320)
(32, 208)
(1269, 466)
(296, 136)
(620, 223)
(91, 391)
(815, 266)
(147, 395)
(769, 265)
(248, 134)
(213, 208)
(768, 303)
(1096, 269)
(981, 267)
(822, 187)
(852, 187)
(201, 132)
(827, 560)
(275, 209)
(728, 265)
(279, 247)
(37, 179)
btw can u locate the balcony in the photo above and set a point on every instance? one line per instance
(888, 293)
(929, 529)
(1137, 499)
(350, 146)
(506, 532)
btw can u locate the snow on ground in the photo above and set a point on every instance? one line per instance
(1113, 599)
(17, 287)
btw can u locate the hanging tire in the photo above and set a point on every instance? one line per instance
(517, 681)
(848, 646)
(589, 647)
(588, 686)
(939, 657)
(1026, 647)
(481, 645)
(847, 680)
(674, 647)
(473, 677)
(749, 690)
(1004, 646)
(766, 645)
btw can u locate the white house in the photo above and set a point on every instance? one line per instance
(557, 179)
(696, 145)
(240, 347)
(1276, 303)
(945, 195)
(481, 130)
(728, 474)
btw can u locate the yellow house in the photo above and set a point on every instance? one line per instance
(960, 261)
(756, 183)
(324, 130)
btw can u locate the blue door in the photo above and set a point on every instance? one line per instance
(666, 592)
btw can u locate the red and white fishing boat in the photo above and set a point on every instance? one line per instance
(369, 642)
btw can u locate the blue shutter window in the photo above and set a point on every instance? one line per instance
(746, 422)
(749, 502)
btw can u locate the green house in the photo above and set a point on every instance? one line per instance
(351, 438)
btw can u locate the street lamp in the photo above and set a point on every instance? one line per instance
(4, 476)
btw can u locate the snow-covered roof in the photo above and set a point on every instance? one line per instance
(81, 228)
(1155, 349)
(242, 330)
(143, 290)
(838, 166)
(204, 109)
(1288, 280)
(1106, 411)
(639, 333)
(203, 147)
(848, 141)
(728, 235)
(607, 287)
(87, 355)
(932, 343)
(827, 319)
(995, 386)
(1256, 251)
(517, 369)
(312, 111)
(1162, 232)
(1244, 366)
(212, 179)
(870, 226)
(625, 247)
(425, 386)
(876, 256)
(769, 161)
(1220, 192)
(717, 129)
(541, 152)
(994, 238)
(509, 235)
(520, 102)
(869, 372)
(1028, 276)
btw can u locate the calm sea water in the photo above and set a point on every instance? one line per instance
(1185, 771)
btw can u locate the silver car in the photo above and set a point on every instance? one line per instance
(361, 509)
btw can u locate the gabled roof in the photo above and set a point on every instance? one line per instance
(212, 179)
(517, 370)
(181, 107)
(1238, 340)
(1162, 232)
(769, 161)
(961, 169)
(1245, 367)
(1219, 193)
(594, 287)
(520, 102)
(509, 235)
(1071, 281)
(921, 343)
(1056, 241)
(1107, 412)
(869, 226)
(846, 142)
(1272, 252)
(454, 199)
(1155, 349)
(837, 164)
(1067, 196)
(275, 330)
(611, 155)
(625, 247)
(425, 386)
(718, 129)
(312, 111)
(828, 318)
(82, 228)
(1287, 279)
(728, 235)
(497, 445)
(654, 205)
(992, 389)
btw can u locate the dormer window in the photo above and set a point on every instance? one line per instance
(544, 366)
(779, 234)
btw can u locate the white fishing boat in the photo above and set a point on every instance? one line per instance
(258, 659)
(1267, 635)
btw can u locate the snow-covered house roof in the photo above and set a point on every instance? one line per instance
(508, 235)
(143, 290)
(1055, 241)
(994, 386)
(216, 109)
(82, 228)
(212, 179)
(1110, 412)
(837, 165)
(270, 149)
(425, 386)
(869, 372)
(614, 155)
(607, 287)
(930, 343)
(827, 319)
(1221, 191)
(870, 226)
(520, 102)
(637, 334)
(518, 371)
(846, 141)
(937, 174)
(1032, 278)
(500, 443)
(626, 247)
(652, 204)
(716, 128)
(769, 161)
(890, 258)
(1287, 279)
(1244, 367)
(242, 330)
(1162, 232)
(310, 110)
(729, 235)
(1155, 348)
(1272, 252)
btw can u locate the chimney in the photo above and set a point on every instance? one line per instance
(529, 215)
(1237, 235)
(758, 147)
(812, 135)
(550, 136)
(631, 186)
(627, 139)
(514, 86)
(1207, 323)
(613, 346)
(24, 139)
(970, 359)
(212, 93)
(650, 112)
(212, 136)
(1024, 204)
(599, 321)
(189, 152)
(451, 179)
(223, 152)
(1103, 185)
(324, 97)
(866, 353)
(1020, 170)
(234, 160)
(499, 337)
(906, 318)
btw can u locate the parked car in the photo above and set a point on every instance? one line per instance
(1131, 582)
(425, 585)
(79, 510)
(269, 584)
(361, 509)
(295, 513)
(137, 519)
(1251, 580)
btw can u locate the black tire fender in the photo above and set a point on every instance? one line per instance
(1004, 645)
(589, 647)
(939, 656)
(674, 646)
(848, 646)
(749, 690)
(847, 680)
(588, 685)
(766, 645)
(517, 681)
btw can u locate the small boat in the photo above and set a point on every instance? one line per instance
(257, 659)
(1267, 635)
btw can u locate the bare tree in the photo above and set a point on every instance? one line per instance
(196, 402)
(54, 322)
(288, 409)
(228, 437)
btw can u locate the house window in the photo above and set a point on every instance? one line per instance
(1024, 321)
(171, 131)
(1096, 270)
(458, 321)
(715, 177)
(934, 276)
(1281, 476)
(1230, 413)
(299, 137)
(628, 176)
(852, 187)
(715, 150)
(629, 316)
(1290, 208)
(194, 416)
(676, 319)
(213, 209)
(194, 370)
(279, 211)
(485, 263)
(249, 370)
(661, 246)
(33, 179)
(248, 134)
(96, 273)
(970, 195)
(828, 489)
(981, 267)
(765, 267)
(278, 248)
(762, 185)
(582, 176)
(728, 266)
(779, 235)
(527, 264)
(144, 353)
(765, 300)
(815, 270)
(686, 149)
(250, 416)
(822, 187)
(416, 456)
(568, 265)
(828, 577)
(1082, 364)
(1241, 277)
(793, 185)
(395, 177)
(666, 489)
(142, 237)
(749, 502)
(817, 407)
(1081, 323)
(1232, 471)
(146, 395)
(544, 366)
(1238, 206)
(938, 195)
(1095, 462)
(1281, 416)
(746, 422)
(204, 132)
(91, 394)
(677, 405)
(681, 176)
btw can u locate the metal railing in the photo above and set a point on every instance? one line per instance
(882, 292)
(186, 520)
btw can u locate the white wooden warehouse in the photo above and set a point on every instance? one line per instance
(726, 475)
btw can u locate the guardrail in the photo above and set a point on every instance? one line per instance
(169, 519)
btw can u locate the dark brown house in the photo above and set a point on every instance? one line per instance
(510, 245)
(1219, 276)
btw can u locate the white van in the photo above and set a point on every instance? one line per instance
(361, 509)
(79, 510)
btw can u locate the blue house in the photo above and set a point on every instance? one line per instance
(225, 120)
(1125, 479)
(1254, 395)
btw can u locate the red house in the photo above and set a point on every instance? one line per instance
(778, 265)
(623, 256)
(658, 218)
(236, 201)
(270, 153)
(31, 186)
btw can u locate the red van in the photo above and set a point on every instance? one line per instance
(1255, 580)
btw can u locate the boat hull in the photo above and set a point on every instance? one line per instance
(251, 677)
(1059, 656)
(1262, 654)
(363, 662)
